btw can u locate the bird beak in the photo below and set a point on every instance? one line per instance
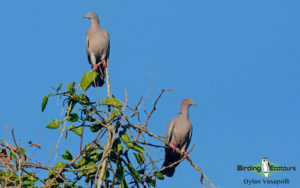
(194, 104)
(84, 17)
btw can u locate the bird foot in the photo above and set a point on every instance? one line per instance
(173, 147)
(185, 154)
(104, 64)
(96, 66)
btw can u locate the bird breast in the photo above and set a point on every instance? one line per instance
(98, 43)
(180, 134)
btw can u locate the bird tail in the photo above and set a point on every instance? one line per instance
(98, 82)
(170, 158)
(168, 171)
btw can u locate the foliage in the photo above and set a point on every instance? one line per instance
(117, 155)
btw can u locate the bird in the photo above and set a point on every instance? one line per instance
(97, 48)
(179, 134)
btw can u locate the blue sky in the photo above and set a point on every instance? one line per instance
(238, 60)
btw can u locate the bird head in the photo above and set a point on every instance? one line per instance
(91, 16)
(188, 102)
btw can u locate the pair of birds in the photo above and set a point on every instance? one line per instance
(179, 130)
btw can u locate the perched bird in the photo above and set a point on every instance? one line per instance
(179, 134)
(97, 48)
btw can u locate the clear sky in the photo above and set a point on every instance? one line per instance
(238, 59)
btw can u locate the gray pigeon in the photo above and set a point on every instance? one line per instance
(179, 134)
(97, 48)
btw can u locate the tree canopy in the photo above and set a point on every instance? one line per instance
(118, 155)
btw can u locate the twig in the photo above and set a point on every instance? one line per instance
(149, 144)
(20, 158)
(154, 106)
(176, 162)
(73, 161)
(106, 151)
(63, 130)
(107, 80)
(199, 169)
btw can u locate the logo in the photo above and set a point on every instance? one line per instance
(265, 166)
(266, 169)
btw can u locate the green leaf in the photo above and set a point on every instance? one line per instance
(134, 173)
(88, 79)
(44, 103)
(71, 105)
(159, 175)
(80, 162)
(84, 99)
(90, 119)
(51, 94)
(33, 179)
(112, 102)
(59, 165)
(59, 87)
(151, 180)
(68, 156)
(96, 157)
(87, 166)
(54, 124)
(66, 186)
(72, 117)
(120, 171)
(25, 177)
(27, 183)
(129, 144)
(12, 156)
(136, 147)
(117, 147)
(22, 151)
(139, 158)
(90, 165)
(95, 127)
(113, 114)
(51, 174)
(125, 138)
(123, 185)
(76, 130)
(71, 89)
(28, 177)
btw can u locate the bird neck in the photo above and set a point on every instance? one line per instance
(184, 111)
(95, 23)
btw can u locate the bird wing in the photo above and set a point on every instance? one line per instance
(108, 46)
(170, 156)
(187, 140)
(170, 130)
(87, 42)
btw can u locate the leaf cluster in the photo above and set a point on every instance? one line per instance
(82, 116)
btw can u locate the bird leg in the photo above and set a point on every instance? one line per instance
(173, 147)
(96, 66)
(185, 154)
(104, 63)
